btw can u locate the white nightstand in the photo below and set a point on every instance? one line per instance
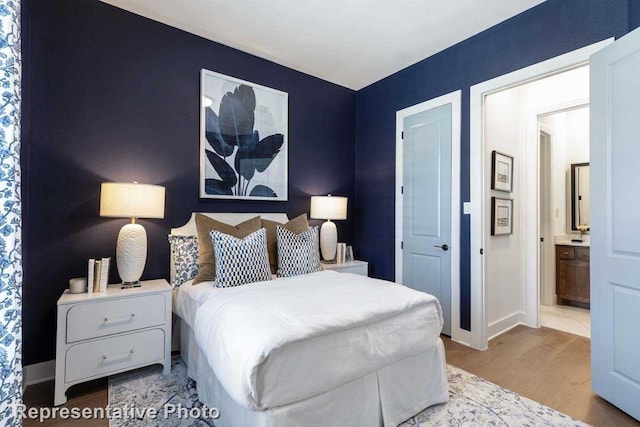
(355, 267)
(108, 332)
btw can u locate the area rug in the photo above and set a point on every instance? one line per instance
(472, 402)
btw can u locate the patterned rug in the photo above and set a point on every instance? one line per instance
(473, 402)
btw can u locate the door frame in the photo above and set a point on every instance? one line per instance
(455, 99)
(479, 190)
(534, 275)
(545, 256)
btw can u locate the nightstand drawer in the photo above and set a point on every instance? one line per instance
(107, 355)
(360, 269)
(353, 267)
(98, 319)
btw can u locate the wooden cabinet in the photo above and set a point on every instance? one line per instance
(572, 275)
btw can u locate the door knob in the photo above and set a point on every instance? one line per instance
(443, 247)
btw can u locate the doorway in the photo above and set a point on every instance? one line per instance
(564, 194)
(528, 297)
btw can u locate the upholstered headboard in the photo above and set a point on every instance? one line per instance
(189, 229)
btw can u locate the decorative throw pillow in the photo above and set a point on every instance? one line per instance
(204, 224)
(298, 253)
(240, 261)
(296, 225)
(185, 258)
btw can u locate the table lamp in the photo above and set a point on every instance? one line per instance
(131, 200)
(328, 207)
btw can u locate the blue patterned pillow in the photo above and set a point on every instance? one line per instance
(298, 253)
(185, 258)
(240, 261)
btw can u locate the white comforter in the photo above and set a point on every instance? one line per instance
(278, 342)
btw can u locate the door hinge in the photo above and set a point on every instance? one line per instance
(481, 251)
(402, 135)
(402, 189)
(401, 245)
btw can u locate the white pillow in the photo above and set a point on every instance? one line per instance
(298, 253)
(185, 258)
(240, 261)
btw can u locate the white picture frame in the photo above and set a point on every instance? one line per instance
(243, 139)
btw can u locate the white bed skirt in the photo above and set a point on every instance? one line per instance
(386, 397)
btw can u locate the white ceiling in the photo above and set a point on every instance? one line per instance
(349, 42)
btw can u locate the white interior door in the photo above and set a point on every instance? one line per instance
(615, 235)
(427, 205)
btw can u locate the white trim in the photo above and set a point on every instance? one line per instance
(505, 324)
(546, 68)
(455, 99)
(38, 373)
(540, 129)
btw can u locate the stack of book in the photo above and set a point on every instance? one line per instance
(98, 275)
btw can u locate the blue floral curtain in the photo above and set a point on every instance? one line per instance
(10, 225)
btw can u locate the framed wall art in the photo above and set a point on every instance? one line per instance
(243, 139)
(501, 172)
(501, 216)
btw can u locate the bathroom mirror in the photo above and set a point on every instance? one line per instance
(579, 195)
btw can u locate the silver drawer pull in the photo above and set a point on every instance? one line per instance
(119, 355)
(130, 316)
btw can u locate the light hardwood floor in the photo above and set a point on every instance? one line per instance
(545, 365)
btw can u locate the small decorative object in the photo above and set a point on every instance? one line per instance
(501, 172)
(501, 216)
(328, 207)
(131, 200)
(78, 285)
(243, 139)
(341, 252)
(583, 229)
(349, 254)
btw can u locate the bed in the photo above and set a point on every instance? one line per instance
(321, 349)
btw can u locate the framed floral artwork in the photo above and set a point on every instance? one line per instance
(243, 139)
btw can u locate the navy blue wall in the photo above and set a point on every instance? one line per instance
(634, 14)
(112, 96)
(550, 29)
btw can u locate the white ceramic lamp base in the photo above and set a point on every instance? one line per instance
(328, 240)
(131, 254)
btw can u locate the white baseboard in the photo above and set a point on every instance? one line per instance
(506, 323)
(461, 336)
(38, 373)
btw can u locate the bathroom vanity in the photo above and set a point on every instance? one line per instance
(572, 274)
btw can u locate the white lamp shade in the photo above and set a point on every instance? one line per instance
(131, 200)
(328, 207)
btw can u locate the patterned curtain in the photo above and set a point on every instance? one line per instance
(10, 224)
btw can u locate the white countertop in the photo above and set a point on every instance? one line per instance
(566, 240)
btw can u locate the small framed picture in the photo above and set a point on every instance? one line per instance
(501, 172)
(501, 216)
(349, 255)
